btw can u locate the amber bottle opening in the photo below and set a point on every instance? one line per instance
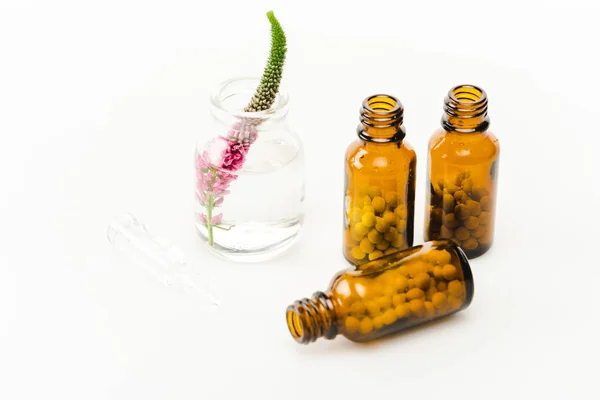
(465, 109)
(381, 118)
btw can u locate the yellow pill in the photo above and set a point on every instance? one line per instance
(368, 219)
(379, 204)
(448, 203)
(401, 211)
(415, 293)
(373, 308)
(439, 257)
(455, 288)
(399, 242)
(389, 218)
(460, 196)
(439, 300)
(374, 191)
(422, 281)
(467, 185)
(437, 272)
(366, 201)
(411, 284)
(389, 289)
(352, 324)
(450, 187)
(442, 286)
(401, 225)
(381, 225)
(462, 212)
(391, 198)
(485, 203)
(366, 326)
(362, 190)
(474, 207)
(357, 308)
(383, 245)
(462, 233)
(390, 250)
(389, 317)
(479, 231)
(357, 253)
(374, 236)
(378, 322)
(401, 283)
(432, 288)
(429, 309)
(417, 267)
(471, 222)
(356, 237)
(366, 245)
(479, 193)
(375, 255)
(449, 271)
(391, 234)
(417, 307)
(361, 228)
(398, 299)
(454, 302)
(470, 244)
(384, 302)
(446, 233)
(451, 221)
(368, 210)
(402, 310)
(484, 217)
(355, 214)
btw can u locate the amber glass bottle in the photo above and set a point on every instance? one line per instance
(387, 295)
(462, 173)
(379, 192)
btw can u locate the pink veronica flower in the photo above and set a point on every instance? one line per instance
(215, 220)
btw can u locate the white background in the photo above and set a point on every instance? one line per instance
(100, 104)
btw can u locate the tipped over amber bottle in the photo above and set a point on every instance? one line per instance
(462, 173)
(387, 295)
(379, 192)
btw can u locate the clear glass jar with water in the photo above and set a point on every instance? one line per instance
(249, 176)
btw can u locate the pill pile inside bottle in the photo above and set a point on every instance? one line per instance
(377, 223)
(461, 212)
(423, 288)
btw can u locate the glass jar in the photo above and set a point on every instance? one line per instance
(379, 193)
(249, 176)
(393, 293)
(462, 173)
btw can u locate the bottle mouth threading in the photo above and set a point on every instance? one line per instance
(311, 318)
(294, 324)
(465, 109)
(381, 111)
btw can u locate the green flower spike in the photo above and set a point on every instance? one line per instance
(265, 94)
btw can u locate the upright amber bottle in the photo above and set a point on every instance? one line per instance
(379, 192)
(385, 296)
(462, 173)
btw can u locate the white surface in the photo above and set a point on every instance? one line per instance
(100, 104)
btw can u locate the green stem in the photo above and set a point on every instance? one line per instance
(209, 210)
(209, 225)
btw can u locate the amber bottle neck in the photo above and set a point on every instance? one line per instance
(466, 110)
(381, 118)
(310, 319)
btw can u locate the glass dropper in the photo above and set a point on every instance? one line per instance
(165, 262)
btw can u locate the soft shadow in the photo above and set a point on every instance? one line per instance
(341, 344)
